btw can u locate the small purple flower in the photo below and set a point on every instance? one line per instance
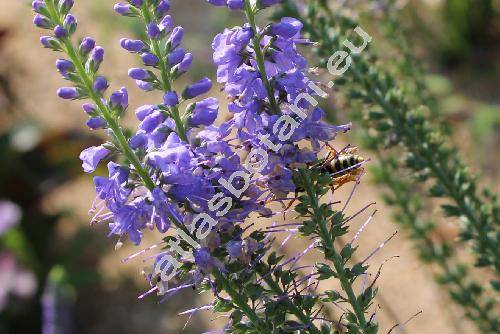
(68, 93)
(166, 24)
(138, 140)
(149, 59)
(142, 112)
(288, 27)
(176, 37)
(100, 84)
(49, 42)
(185, 64)
(151, 122)
(122, 8)
(41, 21)
(132, 45)
(119, 98)
(176, 56)
(234, 249)
(153, 30)
(64, 67)
(236, 4)
(96, 57)
(198, 88)
(170, 99)
(37, 5)
(205, 261)
(66, 5)
(87, 45)
(131, 219)
(70, 23)
(144, 85)
(205, 112)
(138, 74)
(96, 123)
(163, 7)
(89, 108)
(92, 156)
(162, 210)
(60, 32)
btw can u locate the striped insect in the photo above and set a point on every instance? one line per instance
(343, 167)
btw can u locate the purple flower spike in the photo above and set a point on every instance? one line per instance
(198, 88)
(163, 7)
(100, 84)
(68, 93)
(166, 24)
(149, 59)
(87, 45)
(170, 99)
(138, 74)
(176, 38)
(153, 30)
(96, 123)
(132, 45)
(92, 156)
(60, 32)
(122, 8)
(176, 56)
(205, 112)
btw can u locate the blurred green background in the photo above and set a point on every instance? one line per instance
(50, 259)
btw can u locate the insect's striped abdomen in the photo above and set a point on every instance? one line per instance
(344, 163)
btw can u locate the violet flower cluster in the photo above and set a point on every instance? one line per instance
(171, 167)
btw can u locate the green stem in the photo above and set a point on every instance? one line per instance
(166, 79)
(306, 320)
(241, 303)
(259, 57)
(333, 256)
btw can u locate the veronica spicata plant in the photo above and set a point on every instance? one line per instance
(178, 171)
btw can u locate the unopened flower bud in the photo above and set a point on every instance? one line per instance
(68, 93)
